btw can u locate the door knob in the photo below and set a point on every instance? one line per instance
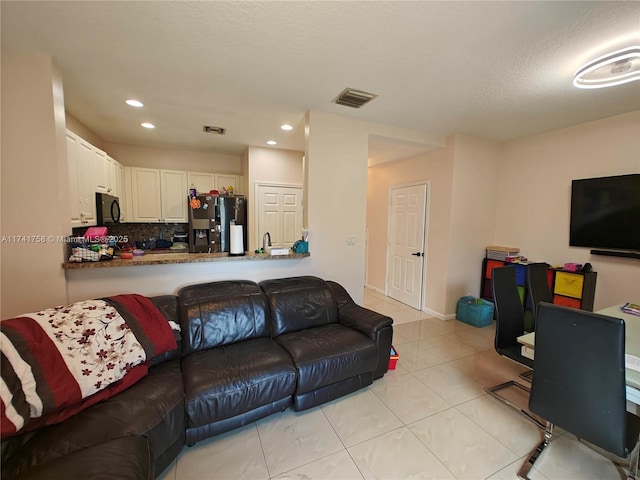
(417, 254)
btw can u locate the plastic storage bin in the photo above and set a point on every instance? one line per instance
(475, 311)
(393, 358)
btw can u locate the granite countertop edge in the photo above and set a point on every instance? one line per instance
(172, 258)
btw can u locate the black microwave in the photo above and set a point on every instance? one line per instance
(107, 209)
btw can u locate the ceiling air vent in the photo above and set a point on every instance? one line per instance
(216, 130)
(354, 98)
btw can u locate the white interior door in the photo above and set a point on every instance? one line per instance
(279, 212)
(406, 244)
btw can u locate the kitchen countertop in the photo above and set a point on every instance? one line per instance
(168, 258)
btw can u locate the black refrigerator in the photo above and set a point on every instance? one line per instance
(210, 220)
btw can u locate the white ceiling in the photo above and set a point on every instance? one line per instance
(498, 70)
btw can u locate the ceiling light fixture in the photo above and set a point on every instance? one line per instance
(286, 127)
(271, 142)
(147, 125)
(615, 68)
(134, 103)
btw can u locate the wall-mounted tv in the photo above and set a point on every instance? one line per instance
(605, 213)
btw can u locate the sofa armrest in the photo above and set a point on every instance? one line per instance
(359, 318)
(374, 325)
(364, 320)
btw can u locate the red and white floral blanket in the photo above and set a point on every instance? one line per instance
(59, 361)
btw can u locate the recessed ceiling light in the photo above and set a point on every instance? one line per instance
(134, 103)
(147, 125)
(286, 127)
(271, 142)
(615, 68)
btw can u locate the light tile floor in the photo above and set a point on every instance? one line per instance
(429, 418)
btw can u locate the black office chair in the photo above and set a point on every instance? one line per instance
(509, 326)
(579, 384)
(538, 287)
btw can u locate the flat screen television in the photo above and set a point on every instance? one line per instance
(605, 213)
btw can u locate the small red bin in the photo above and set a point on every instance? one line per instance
(393, 358)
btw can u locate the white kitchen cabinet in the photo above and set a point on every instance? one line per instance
(203, 182)
(101, 171)
(173, 192)
(157, 196)
(111, 169)
(145, 195)
(81, 169)
(120, 191)
(90, 170)
(75, 202)
(227, 181)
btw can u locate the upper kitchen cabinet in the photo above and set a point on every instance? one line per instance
(101, 169)
(173, 192)
(121, 192)
(227, 181)
(145, 194)
(106, 169)
(75, 204)
(203, 182)
(111, 166)
(157, 196)
(90, 170)
(81, 160)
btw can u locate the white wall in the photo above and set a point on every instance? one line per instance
(275, 165)
(534, 192)
(270, 165)
(473, 207)
(435, 169)
(160, 157)
(34, 183)
(82, 131)
(336, 193)
(244, 163)
(513, 194)
(174, 159)
(460, 217)
(153, 280)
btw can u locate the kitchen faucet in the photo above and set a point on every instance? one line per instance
(264, 240)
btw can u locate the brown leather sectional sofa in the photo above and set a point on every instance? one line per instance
(246, 350)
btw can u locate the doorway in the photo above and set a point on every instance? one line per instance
(406, 243)
(279, 212)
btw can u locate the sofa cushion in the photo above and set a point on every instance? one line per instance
(168, 306)
(298, 303)
(153, 407)
(221, 313)
(126, 458)
(328, 354)
(226, 381)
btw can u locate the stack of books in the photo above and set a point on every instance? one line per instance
(631, 308)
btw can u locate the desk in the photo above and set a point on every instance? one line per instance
(631, 345)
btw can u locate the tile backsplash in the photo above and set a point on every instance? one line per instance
(136, 232)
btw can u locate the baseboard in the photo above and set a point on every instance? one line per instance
(375, 289)
(439, 315)
(432, 313)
